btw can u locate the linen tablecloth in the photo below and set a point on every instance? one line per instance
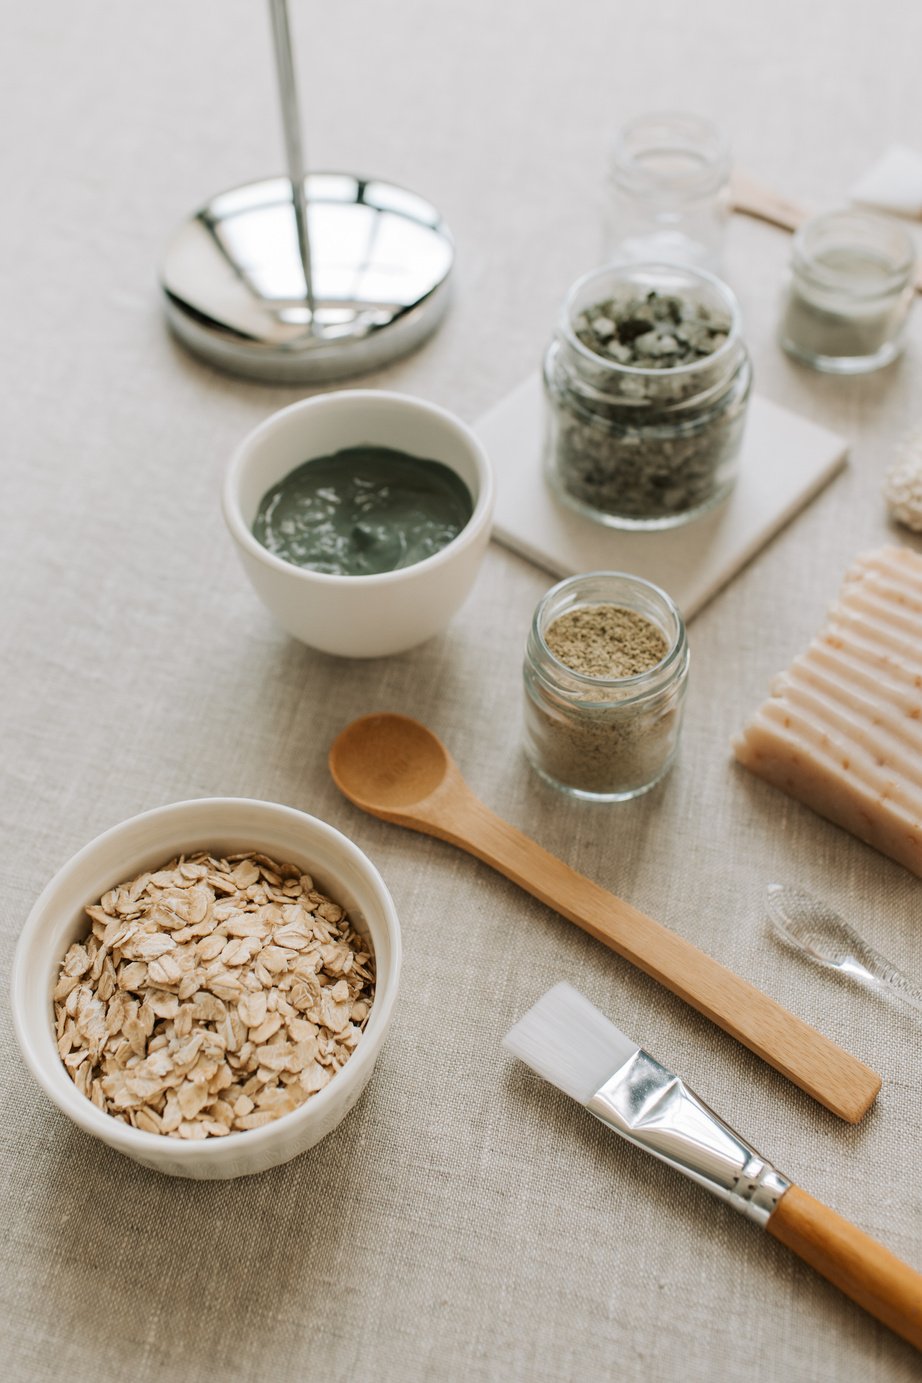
(465, 1221)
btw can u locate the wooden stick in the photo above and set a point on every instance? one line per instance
(805, 1056)
(398, 770)
(860, 1267)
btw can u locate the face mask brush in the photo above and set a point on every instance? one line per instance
(565, 1039)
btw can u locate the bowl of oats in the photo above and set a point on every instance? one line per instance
(206, 987)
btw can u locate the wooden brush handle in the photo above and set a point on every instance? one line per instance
(860, 1267)
(833, 1077)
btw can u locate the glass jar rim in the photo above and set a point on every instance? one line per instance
(866, 224)
(630, 268)
(637, 683)
(585, 400)
(697, 128)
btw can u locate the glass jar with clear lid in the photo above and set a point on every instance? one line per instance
(645, 445)
(668, 192)
(604, 738)
(850, 289)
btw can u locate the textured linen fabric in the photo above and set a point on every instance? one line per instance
(465, 1221)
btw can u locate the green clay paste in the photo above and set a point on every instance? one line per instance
(363, 510)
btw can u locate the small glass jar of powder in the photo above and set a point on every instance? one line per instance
(646, 384)
(606, 666)
(850, 289)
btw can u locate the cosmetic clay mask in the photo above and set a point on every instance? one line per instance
(362, 511)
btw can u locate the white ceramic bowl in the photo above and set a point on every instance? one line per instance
(222, 825)
(359, 616)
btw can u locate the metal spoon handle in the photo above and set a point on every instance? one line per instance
(291, 128)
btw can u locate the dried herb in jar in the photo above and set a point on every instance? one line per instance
(655, 332)
(646, 388)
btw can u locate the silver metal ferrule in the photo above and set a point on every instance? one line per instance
(651, 1107)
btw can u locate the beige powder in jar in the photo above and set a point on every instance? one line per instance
(604, 681)
(606, 641)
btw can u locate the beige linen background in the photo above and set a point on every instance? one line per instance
(465, 1222)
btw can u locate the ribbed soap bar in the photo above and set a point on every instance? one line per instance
(842, 728)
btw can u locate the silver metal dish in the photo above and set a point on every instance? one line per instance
(235, 288)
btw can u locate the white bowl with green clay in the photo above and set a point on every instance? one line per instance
(361, 518)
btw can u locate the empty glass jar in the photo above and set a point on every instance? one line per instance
(668, 191)
(604, 738)
(646, 385)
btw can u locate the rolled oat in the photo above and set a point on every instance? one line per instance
(211, 996)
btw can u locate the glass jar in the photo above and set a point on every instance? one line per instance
(644, 447)
(605, 739)
(668, 192)
(850, 289)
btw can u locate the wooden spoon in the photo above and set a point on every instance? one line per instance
(395, 768)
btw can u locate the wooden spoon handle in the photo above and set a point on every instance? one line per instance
(752, 199)
(839, 1081)
(860, 1267)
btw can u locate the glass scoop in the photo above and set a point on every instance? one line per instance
(821, 934)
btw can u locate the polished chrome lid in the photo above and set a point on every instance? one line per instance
(234, 281)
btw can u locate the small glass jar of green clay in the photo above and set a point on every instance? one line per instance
(605, 673)
(849, 292)
(646, 384)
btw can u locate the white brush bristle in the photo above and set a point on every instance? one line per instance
(569, 1042)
